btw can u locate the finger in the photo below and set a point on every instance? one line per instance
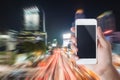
(98, 43)
(74, 49)
(101, 37)
(73, 29)
(73, 39)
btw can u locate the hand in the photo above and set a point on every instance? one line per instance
(104, 58)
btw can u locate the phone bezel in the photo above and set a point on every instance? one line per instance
(86, 22)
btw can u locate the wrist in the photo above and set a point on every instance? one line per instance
(109, 73)
(101, 69)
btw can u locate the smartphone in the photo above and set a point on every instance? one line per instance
(86, 40)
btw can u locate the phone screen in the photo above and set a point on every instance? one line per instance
(86, 41)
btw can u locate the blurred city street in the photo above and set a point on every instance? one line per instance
(35, 38)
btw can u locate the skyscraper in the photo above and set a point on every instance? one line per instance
(107, 22)
(31, 18)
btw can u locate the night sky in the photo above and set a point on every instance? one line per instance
(59, 13)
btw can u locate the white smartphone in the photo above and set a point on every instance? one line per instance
(86, 40)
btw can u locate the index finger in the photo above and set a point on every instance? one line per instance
(73, 29)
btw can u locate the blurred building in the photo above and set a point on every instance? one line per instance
(79, 14)
(12, 41)
(7, 45)
(66, 40)
(8, 40)
(31, 36)
(32, 26)
(31, 18)
(115, 39)
(32, 31)
(107, 22)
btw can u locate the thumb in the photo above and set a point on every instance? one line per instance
(101, 37)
